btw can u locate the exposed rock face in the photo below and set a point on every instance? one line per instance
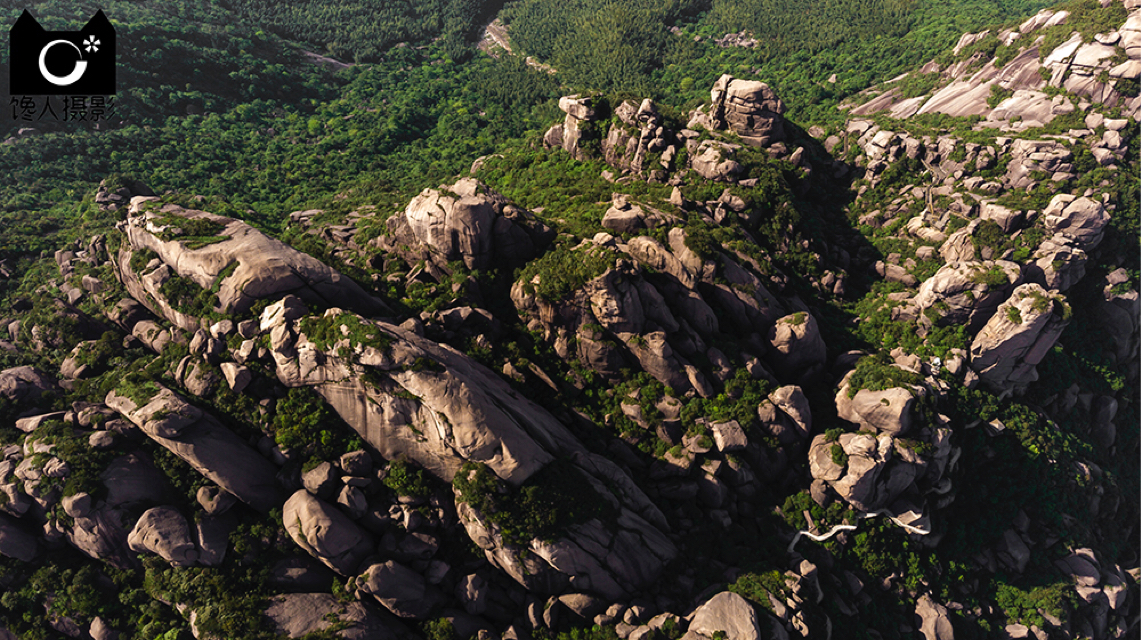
(15, 542)
(714, 161)
(1017, 337)
(298, 614)
(204, 443)
(613, 559)
(889, 410)
(881, 472)
(797, 345)
(466, 221)
(748, 108)
(962, 294)
(325, 532)
(638, 143)
(1092, 70)
(729, 614)
(265, 267)
(1058, 263)
(163, 531)
(936, 623)
(654, 309)
(576, 128)
(24, 384)
(1080, 219)
(439, 416)
(400, 589)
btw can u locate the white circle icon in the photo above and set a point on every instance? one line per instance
(62, 81)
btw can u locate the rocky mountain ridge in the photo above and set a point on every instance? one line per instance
(683, 316)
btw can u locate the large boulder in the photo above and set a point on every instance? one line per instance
(965, 293)
(204, 443)
(614, 559)
(243, 264)
(748, 108)
(325, 532)
(1016, 338)
(406, 395)
(163, 531)
(298, 614)
(713, 160)
(400, 589)
(887, 410)
(15, 542)
(726, 615)
(798, 348)
(467, 221)
(936, 623)
(25, 384)
(1079, 218)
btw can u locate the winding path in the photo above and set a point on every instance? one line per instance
(851, 527)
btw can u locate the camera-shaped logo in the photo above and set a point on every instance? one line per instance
(52, 63)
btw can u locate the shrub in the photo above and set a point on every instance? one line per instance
(565, 270)
(554, 498)
(406, 479)
(877, 373)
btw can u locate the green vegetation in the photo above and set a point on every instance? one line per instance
(564, 270)
(327, 330)
(138, 388)
(303, 421)
(877, 373)
(1025, 607)
(405, 479)
(1014, 315)
(195, 233)
(548, 502)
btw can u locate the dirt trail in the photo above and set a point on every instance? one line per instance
(333, 64)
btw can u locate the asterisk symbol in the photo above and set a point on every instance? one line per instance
(92, 44)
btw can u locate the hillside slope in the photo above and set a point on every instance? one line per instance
(640, 372)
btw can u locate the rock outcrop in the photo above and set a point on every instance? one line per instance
(204, 443)
(746, 107)
(1016, 338)
(240, 263)
(325, 532)
(299, 614)
(163, 531)
(468, 222)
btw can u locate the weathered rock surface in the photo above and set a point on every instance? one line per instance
(25, 384)
(205, 444)
(936, 622)
(163, 531)
(798, 347)
(889, 410)
(265, 267)
(400, 589)
(962, 294)
(439, 416)
(326, 533)
(1080, 219)
(298, 614)
(748, 108)
(726, 615)
(467, 221)
(613, 560)
(1016, 338)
